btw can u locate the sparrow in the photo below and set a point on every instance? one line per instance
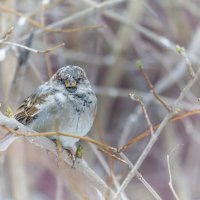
(66, 103)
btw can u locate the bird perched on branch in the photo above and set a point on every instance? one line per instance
(66, 103)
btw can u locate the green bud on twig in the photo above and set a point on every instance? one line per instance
(9, 112)
(139, 64)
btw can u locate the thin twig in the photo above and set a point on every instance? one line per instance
(112, 155)
(79, 15)
(86, 139)
(103, 147)
(134, 140)
(148, 186)
(106, 167)
(78, 29)
(38, 25)
(47, 56)
(150, 85)
(181, 51)
(141, 178)
(170, 180)
(147, 132)
(114, 92)
(170, 175)
(31, 49)
(136, 98)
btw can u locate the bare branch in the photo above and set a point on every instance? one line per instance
(150, 85)
(155, 137)
(31, 49)
(141, 179)
(170, 174)
(41, 26)
(35, 134)
(181, 51)
(136, 98)
(112, 155)
(147, 132)
(170, 180)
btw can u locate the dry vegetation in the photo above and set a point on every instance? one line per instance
(132, 54)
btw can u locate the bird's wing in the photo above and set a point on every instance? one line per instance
(30, 107)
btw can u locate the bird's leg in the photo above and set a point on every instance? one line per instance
(58, 149)
(72, 156)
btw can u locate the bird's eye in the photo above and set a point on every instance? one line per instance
(70, 83)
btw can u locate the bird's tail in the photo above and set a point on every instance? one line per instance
(6, 141)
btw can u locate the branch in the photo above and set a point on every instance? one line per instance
(136, 98)
(31, 49)
(40, 26)
(181, 51)
(141, 179)
(155, 136)
(150, 85)
(170, 179)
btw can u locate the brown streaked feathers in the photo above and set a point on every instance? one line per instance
(28, 109)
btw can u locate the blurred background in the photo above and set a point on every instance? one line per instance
(105, 38)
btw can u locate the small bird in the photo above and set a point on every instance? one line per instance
(66, 103)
